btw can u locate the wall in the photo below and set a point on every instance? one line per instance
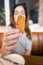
(1, 4)
(29, 3)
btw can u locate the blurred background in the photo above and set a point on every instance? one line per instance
(32, 8)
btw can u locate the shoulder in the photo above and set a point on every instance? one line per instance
(24, 39)
(27, 43)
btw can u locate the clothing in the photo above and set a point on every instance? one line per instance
(24, 44)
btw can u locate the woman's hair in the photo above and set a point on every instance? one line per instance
(12, 18)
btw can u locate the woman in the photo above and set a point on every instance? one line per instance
(24, 44)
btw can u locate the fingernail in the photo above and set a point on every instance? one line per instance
(20, 34)
(17, 30)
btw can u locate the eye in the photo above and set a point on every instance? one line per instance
(16, 13)
(22, 12)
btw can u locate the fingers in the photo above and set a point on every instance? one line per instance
(11, 42)
(12, 47)
(12, 32)
(12, 37)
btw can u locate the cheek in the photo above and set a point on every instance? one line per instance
(24, 16)
(15, 18)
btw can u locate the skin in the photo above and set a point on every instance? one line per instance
(10, 44)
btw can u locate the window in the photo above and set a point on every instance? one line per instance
(2, 13)
(5, 7)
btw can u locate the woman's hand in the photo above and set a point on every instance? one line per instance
(10, 41)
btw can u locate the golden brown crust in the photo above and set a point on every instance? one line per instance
(20, 23)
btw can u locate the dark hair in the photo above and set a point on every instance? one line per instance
(12, 12)
(12, 17)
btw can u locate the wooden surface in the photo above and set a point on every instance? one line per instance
(40, 13)
(37, 43)
(34, 60)
(1, 39)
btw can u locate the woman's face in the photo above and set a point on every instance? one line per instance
(19, 11)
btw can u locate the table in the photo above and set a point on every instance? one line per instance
(33, 60)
